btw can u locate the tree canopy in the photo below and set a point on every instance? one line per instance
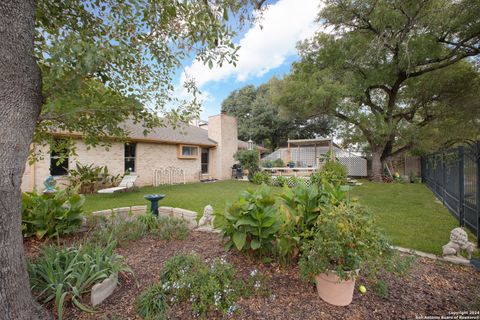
(260, 120)
(391, 71)
(103, 61)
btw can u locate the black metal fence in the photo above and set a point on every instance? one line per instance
(454, 177)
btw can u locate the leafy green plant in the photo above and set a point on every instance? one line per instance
(346, 239)
(149, 220)
(152, 303)
(281, 181)
(51, 214)
(278, 163)
(252, 222)
(262, 177)
(301, 207)
(257, 178)
(89, 178)
(166, 228)
(249, 160)
(332, 172)
(118, 229)
(66, 274)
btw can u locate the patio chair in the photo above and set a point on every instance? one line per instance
(127, 183)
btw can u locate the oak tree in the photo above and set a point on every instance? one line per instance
(389, 70)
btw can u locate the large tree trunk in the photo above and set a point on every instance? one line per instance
(377, 166)
(20, 101)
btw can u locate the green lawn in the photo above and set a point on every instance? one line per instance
(408, 213)
(192, 196)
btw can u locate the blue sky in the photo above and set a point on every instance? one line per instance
(265, 52)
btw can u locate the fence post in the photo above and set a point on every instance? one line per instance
(461, 185)
(477, 155)
(444, 177)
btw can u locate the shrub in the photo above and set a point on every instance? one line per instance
(332, 172)
(118, 229)
(166, 228)
(301, 207)
(249, 160)
(51, 214)
(278, 163)
(152, 303)
(346, 238)
(171, 228)
(257, 178)
(281, 181)
(149, 220)
(63, 274)
(251, 222)
(262, 177)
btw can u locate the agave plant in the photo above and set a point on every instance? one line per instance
(88, 178)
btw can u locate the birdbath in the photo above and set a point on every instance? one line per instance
(154, 198)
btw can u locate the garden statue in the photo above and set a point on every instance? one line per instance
(458, 242)
(49, 184)
(207, 217)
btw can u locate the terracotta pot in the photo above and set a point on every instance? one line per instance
(334, 290)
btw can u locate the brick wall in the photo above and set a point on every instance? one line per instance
(149, 156)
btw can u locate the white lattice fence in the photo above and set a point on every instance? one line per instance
(291, 181)
(168, 175)
(356, 166)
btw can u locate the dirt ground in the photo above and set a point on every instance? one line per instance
(432, 289)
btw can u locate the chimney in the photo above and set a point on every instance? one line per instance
(222, 129)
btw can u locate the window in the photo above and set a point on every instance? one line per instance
(188, 152)
(130, 152)
(59, 162)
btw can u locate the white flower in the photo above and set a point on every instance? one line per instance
(232, 309)
(253, 273)
(257, 284)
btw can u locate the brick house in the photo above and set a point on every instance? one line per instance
(201, 151)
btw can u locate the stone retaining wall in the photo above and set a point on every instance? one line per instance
(129, 213)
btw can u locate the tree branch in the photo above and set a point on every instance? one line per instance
(348, 119)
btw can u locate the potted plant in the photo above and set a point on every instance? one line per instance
(291, 164)
(345, 238)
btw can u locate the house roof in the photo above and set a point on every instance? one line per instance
(183, 134)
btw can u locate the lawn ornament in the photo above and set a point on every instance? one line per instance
(458, 242)
(49, 184)
(207, 217)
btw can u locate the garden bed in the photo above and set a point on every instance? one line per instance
(433, 288)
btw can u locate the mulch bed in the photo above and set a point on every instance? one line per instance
(433, 288)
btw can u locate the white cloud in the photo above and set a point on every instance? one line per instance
(284, 24)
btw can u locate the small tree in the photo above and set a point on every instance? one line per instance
(249, 159)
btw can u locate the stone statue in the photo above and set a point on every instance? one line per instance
(49, 184)
(458, 242)
(207, 217)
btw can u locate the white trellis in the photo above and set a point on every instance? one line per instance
(168, 175)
